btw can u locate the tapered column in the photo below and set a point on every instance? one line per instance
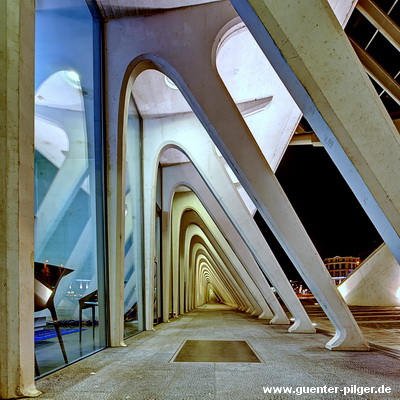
(16, 198)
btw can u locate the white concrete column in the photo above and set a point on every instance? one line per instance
(16, 198)
(117, 119)
(166, 226)
(150, 167)
(174, 261)
(310, 52)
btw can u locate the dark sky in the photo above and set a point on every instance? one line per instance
(328, 209)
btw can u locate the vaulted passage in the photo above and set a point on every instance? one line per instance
(144, 369)
(138, 140)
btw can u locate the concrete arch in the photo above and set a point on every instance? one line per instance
(224, 252)
(225, 290)
(179, 261)
(203, 268)
(256, 275)
(215, 274)
(248, 269)
(196, 213)
(202, 245)
(256, 177)
(238, 215)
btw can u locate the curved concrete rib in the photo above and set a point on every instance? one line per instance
(213, 275)
(237, 269)
(244, 301)
(213, 212)
(201, 151)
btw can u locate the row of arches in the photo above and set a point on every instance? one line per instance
(237, 149)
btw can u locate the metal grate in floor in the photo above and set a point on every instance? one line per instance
(215, 351)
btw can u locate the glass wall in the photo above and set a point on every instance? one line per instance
(133, 295)
(69, 252)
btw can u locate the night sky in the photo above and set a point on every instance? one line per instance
(328, 209)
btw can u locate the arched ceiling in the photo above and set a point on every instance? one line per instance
(112, 9)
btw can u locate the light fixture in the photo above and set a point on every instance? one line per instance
(170, 83)
(72, 78)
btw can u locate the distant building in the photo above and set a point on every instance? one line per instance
(341, 267)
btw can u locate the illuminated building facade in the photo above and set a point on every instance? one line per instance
(341, 267)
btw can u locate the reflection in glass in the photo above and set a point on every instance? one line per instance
(68, 261)
(133, 310)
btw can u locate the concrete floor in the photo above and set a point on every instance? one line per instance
(143, 369)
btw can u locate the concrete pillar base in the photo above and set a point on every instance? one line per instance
(299, 327)
(279, 320)
(121, 344)
(31, 392)
(347, 343)
(263, 316)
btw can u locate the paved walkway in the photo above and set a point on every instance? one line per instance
(143, 369)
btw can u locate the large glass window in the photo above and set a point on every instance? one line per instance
(133, 312)
(69, 261)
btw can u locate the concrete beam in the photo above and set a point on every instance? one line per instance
(381, 21)
(377, 73)
(314, 59)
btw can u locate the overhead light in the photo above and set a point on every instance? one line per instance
(170, 83)
(72, 78)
